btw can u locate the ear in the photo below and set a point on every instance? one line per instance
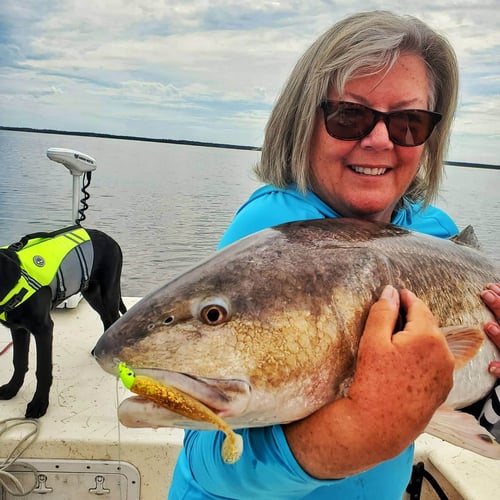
(10, 271)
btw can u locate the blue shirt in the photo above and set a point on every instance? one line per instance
(267, 468)
(270, 206)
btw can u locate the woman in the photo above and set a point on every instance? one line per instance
(360, 130)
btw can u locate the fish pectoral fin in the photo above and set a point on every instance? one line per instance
(462, 429)
(464, 342)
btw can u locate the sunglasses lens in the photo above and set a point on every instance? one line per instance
(349, 121)
(410, 128)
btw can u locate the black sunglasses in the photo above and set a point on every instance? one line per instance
(349, 121)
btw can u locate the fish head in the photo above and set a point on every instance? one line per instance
(182, 335)
(235, 332)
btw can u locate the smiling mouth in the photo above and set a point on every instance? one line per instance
(368, 171)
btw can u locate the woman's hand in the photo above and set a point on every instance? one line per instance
(491, 297)
(400, 380)
(413, 367)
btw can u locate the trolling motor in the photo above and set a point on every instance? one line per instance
(78, 164)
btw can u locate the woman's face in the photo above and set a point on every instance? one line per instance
(366, 178)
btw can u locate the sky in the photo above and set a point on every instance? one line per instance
(210, 71)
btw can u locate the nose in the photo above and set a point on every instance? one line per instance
(378, 138)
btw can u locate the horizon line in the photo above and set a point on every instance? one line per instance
(186, 142)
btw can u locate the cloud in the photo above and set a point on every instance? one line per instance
(479, 116)
(200, 70)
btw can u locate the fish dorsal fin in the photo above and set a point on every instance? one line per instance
(462, 429)
(464, 342)
(467, 237)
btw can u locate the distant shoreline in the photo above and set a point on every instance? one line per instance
(131, 138)
(195, 143)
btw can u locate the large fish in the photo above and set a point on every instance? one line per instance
(267, 329)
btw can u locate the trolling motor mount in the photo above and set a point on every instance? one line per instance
(78, 164)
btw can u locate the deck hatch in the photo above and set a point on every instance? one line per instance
(76, 479)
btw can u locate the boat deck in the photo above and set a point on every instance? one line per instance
(81, 422)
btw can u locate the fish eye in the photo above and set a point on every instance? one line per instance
(213, 314)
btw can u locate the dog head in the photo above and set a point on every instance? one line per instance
(10, 271)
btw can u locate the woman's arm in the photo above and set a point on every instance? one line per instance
(400, 380)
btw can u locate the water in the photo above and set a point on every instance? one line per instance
(168, 205)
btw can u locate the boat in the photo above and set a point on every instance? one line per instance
(79, 450)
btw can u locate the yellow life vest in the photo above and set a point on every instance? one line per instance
(63, 262)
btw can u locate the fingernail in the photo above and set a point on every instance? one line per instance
(494, 370)
(494, 287)
(493, 329)
(488, 295)
(388, 293)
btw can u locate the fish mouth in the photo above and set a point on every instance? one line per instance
(224, 397)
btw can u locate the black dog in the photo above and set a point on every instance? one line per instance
(26, 301)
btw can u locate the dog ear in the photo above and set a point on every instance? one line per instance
(10, 271)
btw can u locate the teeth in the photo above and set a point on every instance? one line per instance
(369, 171)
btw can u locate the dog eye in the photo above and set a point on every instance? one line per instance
(213, 314)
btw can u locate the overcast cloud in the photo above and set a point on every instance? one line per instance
(208, 70)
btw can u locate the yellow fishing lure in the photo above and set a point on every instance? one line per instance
(183, 404)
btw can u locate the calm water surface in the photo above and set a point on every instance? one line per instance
(168, 205)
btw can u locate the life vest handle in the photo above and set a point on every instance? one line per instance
(19, 245)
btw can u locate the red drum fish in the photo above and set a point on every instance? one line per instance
(266, 330)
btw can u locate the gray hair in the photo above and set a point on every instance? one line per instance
(363, 44)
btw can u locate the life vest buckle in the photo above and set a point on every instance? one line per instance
(12, 303)
(18, 245)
